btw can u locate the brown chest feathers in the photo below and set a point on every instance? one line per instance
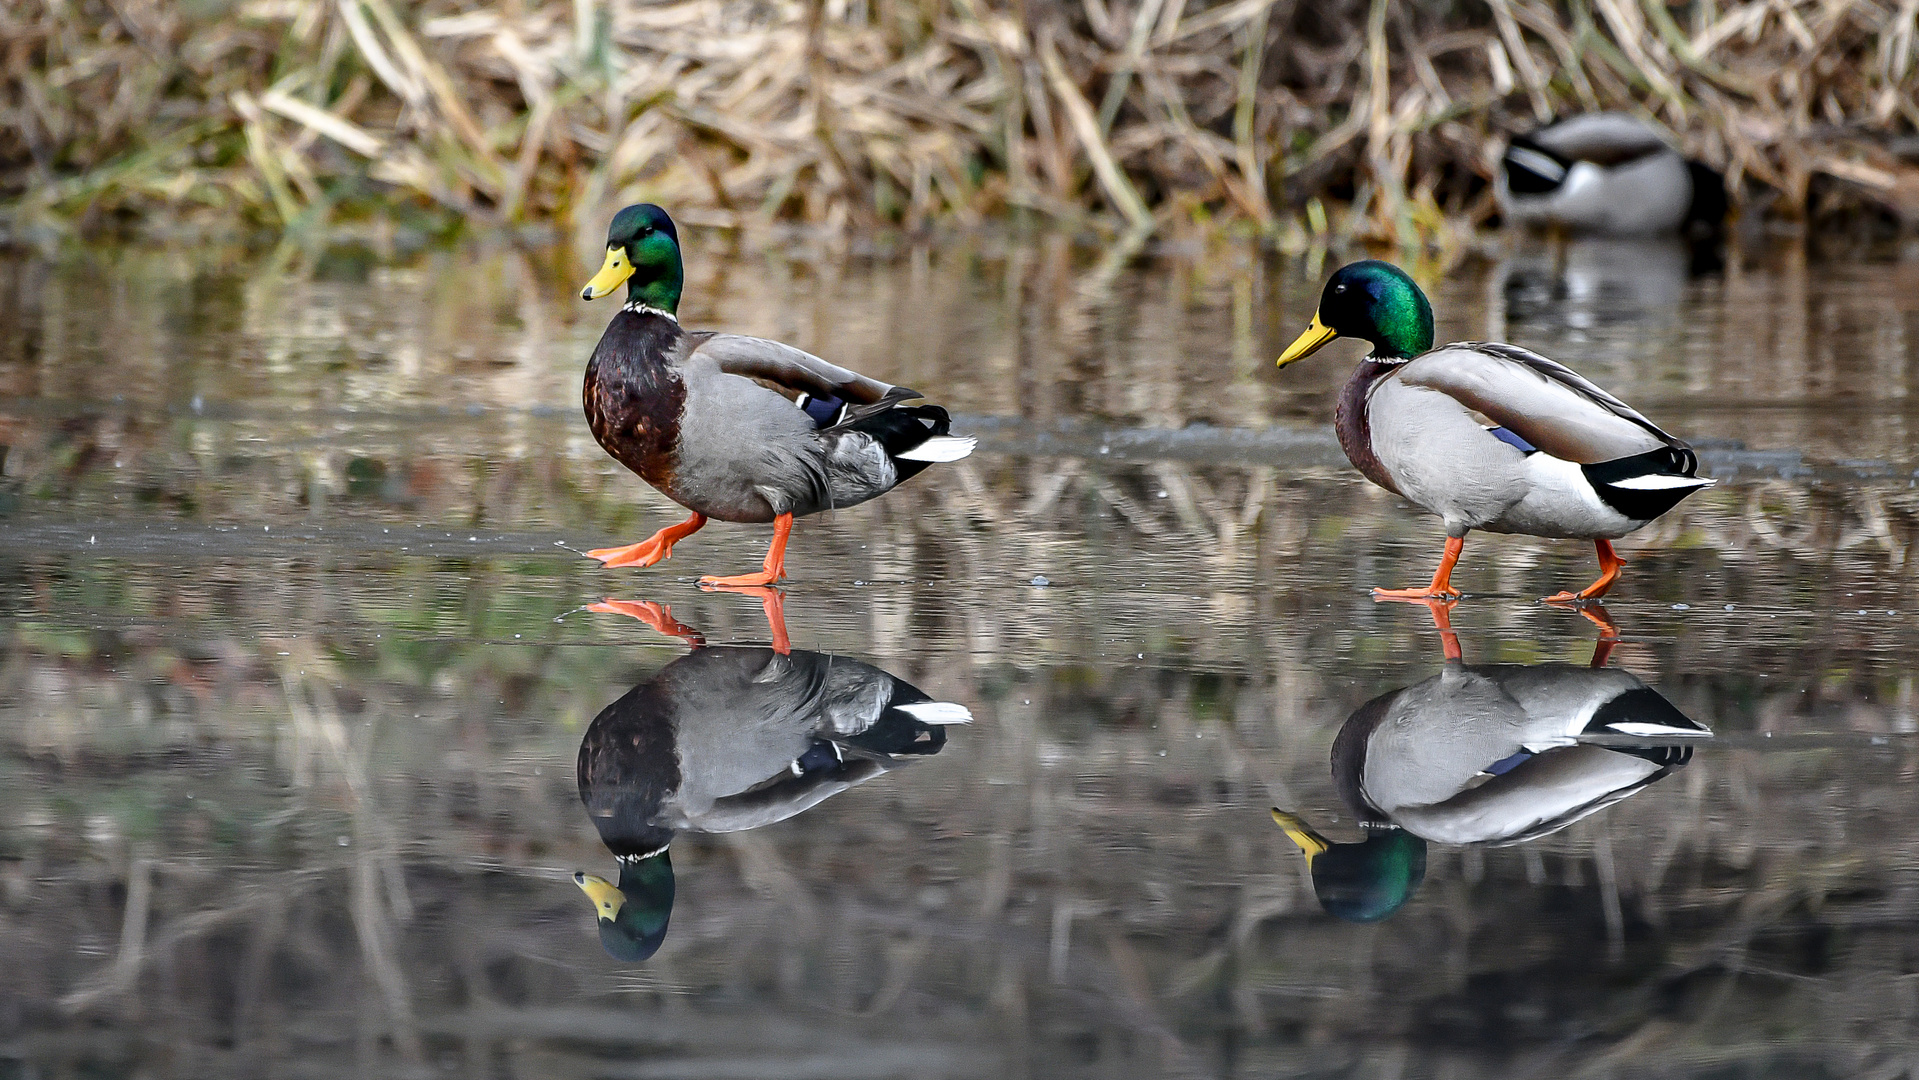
(1355, 428)
(633, 399)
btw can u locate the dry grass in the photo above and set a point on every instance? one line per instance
(860, 112)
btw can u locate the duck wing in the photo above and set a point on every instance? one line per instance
(797, 371)
(1544, 402)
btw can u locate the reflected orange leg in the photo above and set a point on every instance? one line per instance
(658, 616)
(775, 565)
(652, 549)
(773, 602)
(1596, 613)
(1442, 586)
(1609, 564)
(1442, 611)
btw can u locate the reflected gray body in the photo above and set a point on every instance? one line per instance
(1624, 179)
(1636, 284)
(741, 717)
(1420, 756)
(732, 738)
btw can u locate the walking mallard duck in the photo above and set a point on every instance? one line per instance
(1609, 174)
(732, 427)
(1489, 436)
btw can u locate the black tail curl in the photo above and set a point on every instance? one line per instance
(898, 733)
(1643, 504)
(1531, 169)
(900, 429)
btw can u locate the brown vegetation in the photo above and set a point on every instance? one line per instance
(865, 111)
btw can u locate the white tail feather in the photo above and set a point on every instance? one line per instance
(1661, 482)
(937, 713)
(1631, 727)
(940, 448)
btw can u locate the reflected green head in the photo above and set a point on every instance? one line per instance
(1370, 880)
(632, 915)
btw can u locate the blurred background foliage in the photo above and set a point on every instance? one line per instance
(1380, 119)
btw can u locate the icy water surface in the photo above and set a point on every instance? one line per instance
(310, 714)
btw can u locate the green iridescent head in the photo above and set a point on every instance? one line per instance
(633, 914)
(1365, 881)
(1374, 301)
(643, 250)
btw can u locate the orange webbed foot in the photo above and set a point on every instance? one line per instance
(1417, 596)
(1564, 597)
(658, 616)
(1442, 587)
(1609, 565)
(653, 549)
(760, 579)
(644, 553)
(770, 572)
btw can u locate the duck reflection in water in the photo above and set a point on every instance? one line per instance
(729, 738)
(1488, 754)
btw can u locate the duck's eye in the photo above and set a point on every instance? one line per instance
(1339, 288)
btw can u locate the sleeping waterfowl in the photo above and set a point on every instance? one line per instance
(726, 739)
(1606, 173)
(1489, 436)
(1496, 755)
(732, 427)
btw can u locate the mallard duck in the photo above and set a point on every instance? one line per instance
(730, 738)
(1486, 754)
(1606, 173)
(732, 427)
(1489, 436)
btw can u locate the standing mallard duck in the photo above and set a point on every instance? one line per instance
(1560, 457)
(1610, 174)
(732, 427)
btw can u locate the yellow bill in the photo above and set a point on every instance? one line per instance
(607, 900)
(1310, 842)
(613, 273)
(1303, 346)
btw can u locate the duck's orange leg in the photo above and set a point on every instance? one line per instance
(1596, 613)
(1442, 586)
(1443, 622)
(775, 566)
(652, 549)
(658, 616)
(1609, 564)
(773, 602)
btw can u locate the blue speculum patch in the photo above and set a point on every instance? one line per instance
(1507, 436)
